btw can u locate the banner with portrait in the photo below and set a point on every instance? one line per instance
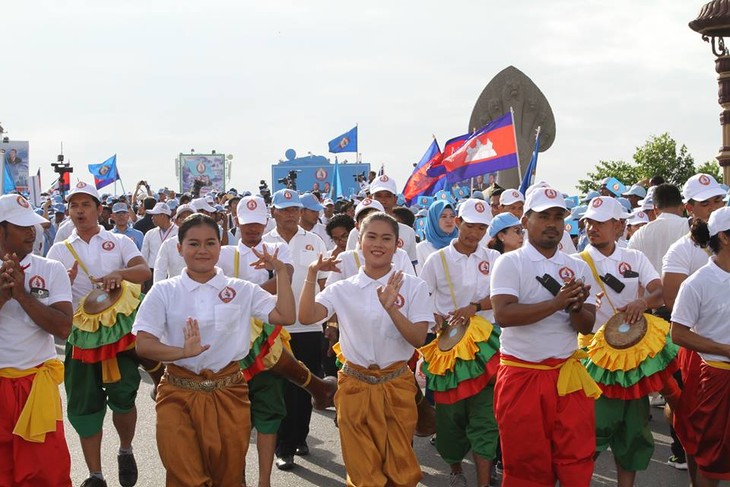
(206, 171)
(15, 159)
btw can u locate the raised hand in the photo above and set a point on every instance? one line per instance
(323, 264)
(73, 272)
(266, 260)
(191, 332)
(389, 293)
(13, 277)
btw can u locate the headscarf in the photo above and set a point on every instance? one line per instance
(437, 237)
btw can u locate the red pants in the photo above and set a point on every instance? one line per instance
(712, 418)
(687, 432)
(545, 437)
(24, 463)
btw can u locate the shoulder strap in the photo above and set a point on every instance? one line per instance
(589, 260)
(357, 259)
(236, 263)
(448, 276)
(76, 257)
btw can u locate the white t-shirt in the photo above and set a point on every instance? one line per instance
(154, 239)
(684, 257)
(703, 305)
(321, 231)
(406, 240)
(64, 230)
(350, 265)
(617, 264)
(424, 248)
(226, 260)
(367, 334)
(25, 344)
(105, 252)
(305, 248)
(469, 278)
(515, 274)
(169, 262)
(654, 238)
(223, 307)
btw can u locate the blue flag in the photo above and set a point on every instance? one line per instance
(8, 184)
(336, 188)
(531, 167)
(346, 142)
(105, 173)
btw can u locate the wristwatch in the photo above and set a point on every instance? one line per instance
(478, 306)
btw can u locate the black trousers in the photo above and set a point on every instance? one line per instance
(294, 429)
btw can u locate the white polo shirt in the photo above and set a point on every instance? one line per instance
(703, 305)
(654, 238)
(223, 307)
(321, 231)
(515, 274)
(424, 248)
(25, 344)
(226, 260)
(469, 277)
(350, 265)
(64, 230)
(367, 334)
(105, 252)
(565, 246)
(685, 257)
(154, 239)
(618, 264)
(305, 248)
(169, 262)
(406, 240)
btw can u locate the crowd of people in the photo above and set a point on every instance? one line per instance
(531, 330)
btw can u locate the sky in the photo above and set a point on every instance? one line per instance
(149, 80)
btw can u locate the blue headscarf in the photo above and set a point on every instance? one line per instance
(438, 238)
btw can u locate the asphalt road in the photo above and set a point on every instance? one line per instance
(324, 466)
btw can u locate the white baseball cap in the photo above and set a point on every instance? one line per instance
(701, 187)
(473, 210)
(383, 183)
(719, 221)
(199, 204)
(537, 185)
(252, 209)
(83, 188)
(604, 208)
(638, 217)
(510, 196)
(543, 198)
(184, 208)
(366, 204)
(160, 209)
(16, 210)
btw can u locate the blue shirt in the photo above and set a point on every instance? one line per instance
(136, 236)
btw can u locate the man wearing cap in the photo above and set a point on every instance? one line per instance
(169, 262)
(634, 194)
(329, 211)
(544, 397)
(35, 307)
(309, 219)
(306, 341)
(458, 279)
(383, 189)
(164, 229)
(637, 219)
(631, 285)
(512, 201)
(703, 196)
(95, 257)
(120, 215)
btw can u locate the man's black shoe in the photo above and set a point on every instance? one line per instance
(127, 469)
(302, 450)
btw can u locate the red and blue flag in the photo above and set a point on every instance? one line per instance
(421, 183)
(104, 173)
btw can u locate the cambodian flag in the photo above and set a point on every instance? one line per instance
(491, 148)
(105, 173)
(452, 145)
(420, 182)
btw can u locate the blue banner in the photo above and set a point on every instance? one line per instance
(346, 142)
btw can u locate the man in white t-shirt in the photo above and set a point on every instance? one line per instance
(35, 306)
(164, 229)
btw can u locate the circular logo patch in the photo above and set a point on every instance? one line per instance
(81, 184)
(37, 282)
(252, 205)
(200, 167)
(515, 194)
(309, 247)
(551, 193)
(615, 186)
(287, 195)
(596, 202)
(479, 207)
(22, 202)
(367, 202)
(444, 196)
(227, 294)
(104, 170)
(568, 227)
(704, 180)
(384, 178)
(623, 267)
(108, 245)
(484, 267)
(641, 214)
(321, 174)
(566, 273)
(399, 301)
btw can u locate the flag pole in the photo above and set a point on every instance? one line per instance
(517, 148)
(537, 135)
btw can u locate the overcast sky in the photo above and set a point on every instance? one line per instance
(148, 80)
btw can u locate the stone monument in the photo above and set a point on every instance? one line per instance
(511, 88)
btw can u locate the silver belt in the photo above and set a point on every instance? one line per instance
(372, 380)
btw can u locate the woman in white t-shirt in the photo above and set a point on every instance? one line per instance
(198, 323)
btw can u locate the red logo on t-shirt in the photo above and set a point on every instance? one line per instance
(551, 193)
(108, 245)
(251, 205)
(227, 294)
(37, 282)
(22, 202)
(309, 247)
(479, 207)
(623, 267)
(484, 267)
(566, 273)
(399, 301)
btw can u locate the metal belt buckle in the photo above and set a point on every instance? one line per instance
(207, 385)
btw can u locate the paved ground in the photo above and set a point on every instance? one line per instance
(324, 467)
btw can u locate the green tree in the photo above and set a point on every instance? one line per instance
(659, 156)
(712, 168)
(623, 171)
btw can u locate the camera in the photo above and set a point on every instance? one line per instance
(290, 181)
(265, 192)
